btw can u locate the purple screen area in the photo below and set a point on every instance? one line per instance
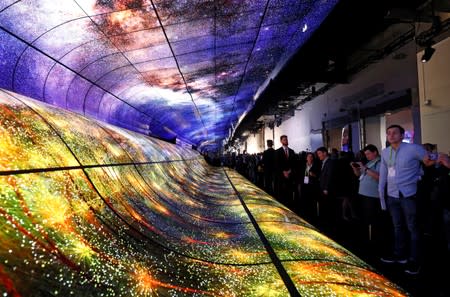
(184, 69)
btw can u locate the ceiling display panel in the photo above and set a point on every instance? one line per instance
(194, 44)
(10, 50)
(92, 101)
(83, 55)
(103, 66)
(233, 24)
(125, 20)
(55, 43)
(184, 11)
(197, 28)
(89, 209)
(234, 54)
(138, 39)
(159, 53)
(244, 37)
(59, 96)
(27, 75)
(152, 65)
(74, 94)
(5, 3)
(293, 14)
(201, 66)
(46, 15)
(129, 62)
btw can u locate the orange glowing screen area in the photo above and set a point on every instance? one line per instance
(87, 209)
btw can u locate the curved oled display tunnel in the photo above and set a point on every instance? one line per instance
(87, 209)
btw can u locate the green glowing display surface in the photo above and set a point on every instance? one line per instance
(87, 209)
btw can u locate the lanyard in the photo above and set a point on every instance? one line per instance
(307, 170)
(373, 163)
(391, 163)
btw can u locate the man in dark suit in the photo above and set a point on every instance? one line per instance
(326, 183)
(268, 161)
(285, 171)
(326, 173)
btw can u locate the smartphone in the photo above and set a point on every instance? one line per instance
(356, 165)
(433, 156)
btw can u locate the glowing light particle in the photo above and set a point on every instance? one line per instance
(82, 251)
(222, 235)
(305, 28)
(145, 282)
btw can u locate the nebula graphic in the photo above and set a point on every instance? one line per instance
(184, 70)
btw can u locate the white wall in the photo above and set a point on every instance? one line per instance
(255, 143)
(396, 75)
(434, 85)
(268, 134)
(428, 81)
(373, 135)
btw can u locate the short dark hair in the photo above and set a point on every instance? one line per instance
(429, 146)
(372, 148)
(310, 153)
(322, 149)
(402, 130)
(282, 136)
(269, 142)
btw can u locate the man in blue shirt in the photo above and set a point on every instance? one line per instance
(400, 171)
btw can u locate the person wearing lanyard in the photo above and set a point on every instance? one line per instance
(400, 171)
(308, 186)
(368, 186)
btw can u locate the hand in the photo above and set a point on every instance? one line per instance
(286, 173)
(444, 160)
(356, 165)
(325, 192)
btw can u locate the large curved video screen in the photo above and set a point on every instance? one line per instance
(87, 209)
(174, 69)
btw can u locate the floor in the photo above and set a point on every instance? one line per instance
(434, 277)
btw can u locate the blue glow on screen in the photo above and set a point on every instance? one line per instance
(167, 68)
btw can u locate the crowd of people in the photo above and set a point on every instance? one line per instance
(402, 190)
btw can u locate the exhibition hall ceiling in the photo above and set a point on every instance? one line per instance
(185, 70)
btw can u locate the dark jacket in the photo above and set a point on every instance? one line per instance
(268, 161)
(283, 164)
(315, 169)
(326, 181)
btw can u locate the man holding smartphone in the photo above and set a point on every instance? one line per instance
(368, 187)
